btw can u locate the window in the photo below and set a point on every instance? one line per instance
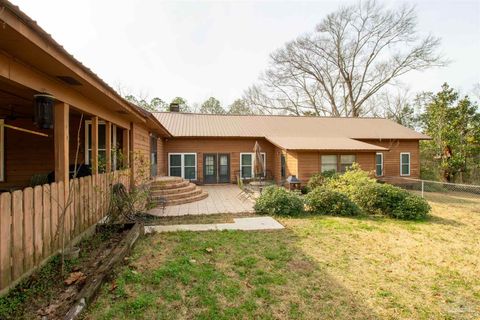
(379, 164)
(247, 164)
(101, 144)
(405, 163)
(329, 162)
(2, 150)
(283, 166)
(346, 161)
(183, 165)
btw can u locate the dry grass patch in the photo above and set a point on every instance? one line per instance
(407, 270)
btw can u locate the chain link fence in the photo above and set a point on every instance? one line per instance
(427, 188)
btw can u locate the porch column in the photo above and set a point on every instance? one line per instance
(61, 137)
(108, 146)
(131, 156)
(126, 148)
(94, 145)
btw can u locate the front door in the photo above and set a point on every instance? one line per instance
(210, 168)
(216, 168)
(223, 168)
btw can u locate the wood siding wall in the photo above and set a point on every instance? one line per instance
(29, 219)
(141, 153)
(161, 166)
(391, 161)
(27, 154)
(309, 163)
(232, 146)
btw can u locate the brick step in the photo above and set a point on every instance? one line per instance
(164, 192)
(176, 196)
(197, 197)
(168, 185)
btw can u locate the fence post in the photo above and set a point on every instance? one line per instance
(423, 187)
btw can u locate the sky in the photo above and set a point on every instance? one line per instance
(200, 49)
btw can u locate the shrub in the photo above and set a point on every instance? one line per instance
(279, 201)
(326, 201)
(319, 179)
(373, 197)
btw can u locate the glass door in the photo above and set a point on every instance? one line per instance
(210, 168)
(223, 168)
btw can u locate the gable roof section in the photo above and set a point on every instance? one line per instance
(276, 127)
(311, 143)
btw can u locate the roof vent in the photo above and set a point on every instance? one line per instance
(69, 80)
(174, 107)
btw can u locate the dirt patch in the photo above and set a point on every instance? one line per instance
(49, 294)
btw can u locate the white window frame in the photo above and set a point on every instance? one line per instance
(2, 151)
(253, 163)
(409, 164)
(182, 163)
(329, 155)
(383, 173)
(88, 123)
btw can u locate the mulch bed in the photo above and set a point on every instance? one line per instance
(47, 294)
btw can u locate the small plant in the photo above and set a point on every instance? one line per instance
(279, 201)
(412, 207)
(326, 201)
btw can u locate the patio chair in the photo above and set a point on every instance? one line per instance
(245, 192)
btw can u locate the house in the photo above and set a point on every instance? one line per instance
(55, 113)
(219, 148)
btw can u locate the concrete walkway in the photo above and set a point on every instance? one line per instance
(245, 224)
(221, 199)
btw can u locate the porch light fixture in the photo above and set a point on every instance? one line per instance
(43, 110)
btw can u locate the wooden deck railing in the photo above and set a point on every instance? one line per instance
(29, 219)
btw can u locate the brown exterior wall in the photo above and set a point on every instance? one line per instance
(232, 146)
(141, 153)
(161, 171)
(391, 160)
(27, 154)
(309, 163)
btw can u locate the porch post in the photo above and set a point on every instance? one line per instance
(131, 156)
(94, 145)
(108, 146)
(61, 137)
(126, 147)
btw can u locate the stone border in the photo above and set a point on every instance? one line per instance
(88, 292)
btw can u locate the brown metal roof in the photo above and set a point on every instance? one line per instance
(202, 125)
(314, 143)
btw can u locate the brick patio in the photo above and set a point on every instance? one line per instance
(221, 199)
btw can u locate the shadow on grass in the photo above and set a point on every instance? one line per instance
(226, 275)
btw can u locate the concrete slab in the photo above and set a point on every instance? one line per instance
(244, 224)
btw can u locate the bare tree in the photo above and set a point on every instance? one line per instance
(352, 54)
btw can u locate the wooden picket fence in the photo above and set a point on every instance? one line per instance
(29, 219)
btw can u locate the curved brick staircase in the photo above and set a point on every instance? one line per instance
(176, 191)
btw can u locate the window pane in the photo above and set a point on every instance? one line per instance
(175, 160)
(223, 160)
(176, 171)
(223, 170)
(189, 160)
(329, 162)
(246, 159)
(190, 173)
(283, 166)
(347, 159)
(405, 158)
(405, 169)
(101, 136)
(379, 164)
(246, 171)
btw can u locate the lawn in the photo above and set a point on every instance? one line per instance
(317, 268)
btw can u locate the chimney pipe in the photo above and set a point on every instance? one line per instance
(174, 107)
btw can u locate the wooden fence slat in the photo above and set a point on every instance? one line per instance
(17, 234)
(5, 239)
(28, 228)
(54, 215)
(89, 184)
(61, 206)
(47, 217)
(76, 211)
(67, 207)
(38, 223)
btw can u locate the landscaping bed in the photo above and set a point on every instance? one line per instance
(47, 294)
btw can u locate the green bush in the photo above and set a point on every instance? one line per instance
(318, 179)
(378, 198)
(326, 201)
(278, 201)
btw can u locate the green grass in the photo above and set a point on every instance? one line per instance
(317, 268)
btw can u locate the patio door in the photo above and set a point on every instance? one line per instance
(216, 168)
